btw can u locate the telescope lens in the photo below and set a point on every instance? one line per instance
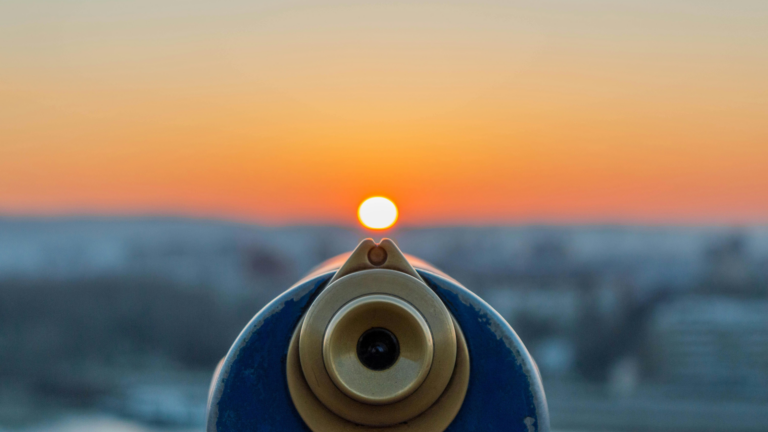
(378, 349)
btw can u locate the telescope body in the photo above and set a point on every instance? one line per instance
(367, 343)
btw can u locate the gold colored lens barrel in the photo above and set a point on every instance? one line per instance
(377, 348)
(390, 316)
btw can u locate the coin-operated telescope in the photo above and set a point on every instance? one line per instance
(377, 341)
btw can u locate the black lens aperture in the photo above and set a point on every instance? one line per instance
(378, 349)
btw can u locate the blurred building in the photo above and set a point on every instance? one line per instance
(711, 341)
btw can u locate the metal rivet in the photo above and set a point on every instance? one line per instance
(377, 256)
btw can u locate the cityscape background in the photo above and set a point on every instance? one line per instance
(116, 324)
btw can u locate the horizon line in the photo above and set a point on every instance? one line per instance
(159, 216)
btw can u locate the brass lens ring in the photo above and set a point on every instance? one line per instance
(409, 343)
(392, 300)
(435, 419)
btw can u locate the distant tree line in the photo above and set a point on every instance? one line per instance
(58, 336)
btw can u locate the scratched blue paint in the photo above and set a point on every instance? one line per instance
(504, 394)
(252, 391)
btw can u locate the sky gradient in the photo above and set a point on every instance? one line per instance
(472, 112)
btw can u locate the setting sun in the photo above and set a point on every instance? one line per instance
(377, 213)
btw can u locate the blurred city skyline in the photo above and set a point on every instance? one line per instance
(116, 324)
(482, 112)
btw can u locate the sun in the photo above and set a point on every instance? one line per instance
(377, 213)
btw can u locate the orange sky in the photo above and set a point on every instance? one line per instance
(460, 111)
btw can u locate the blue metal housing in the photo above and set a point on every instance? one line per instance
(250, 392)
